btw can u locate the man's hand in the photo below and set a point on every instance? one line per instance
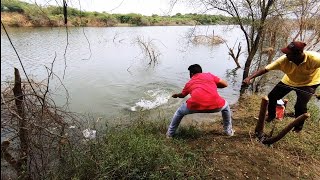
(259, 72)
(179, 95)
(175, 95)
(246, 81)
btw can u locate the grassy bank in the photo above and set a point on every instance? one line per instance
(138, 148)
(141, 151)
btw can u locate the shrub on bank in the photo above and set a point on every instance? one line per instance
(12, 6)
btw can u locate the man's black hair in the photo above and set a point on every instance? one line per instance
(195, 68)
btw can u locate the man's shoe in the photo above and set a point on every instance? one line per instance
(290, 114)
(269, 119)
(231, 133)
(168, 136)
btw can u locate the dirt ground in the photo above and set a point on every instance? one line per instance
(296, 156)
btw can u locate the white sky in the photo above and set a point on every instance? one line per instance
(144, 7)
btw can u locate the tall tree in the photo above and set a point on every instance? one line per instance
(250, 15)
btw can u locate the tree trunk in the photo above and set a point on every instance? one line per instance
(246, 70)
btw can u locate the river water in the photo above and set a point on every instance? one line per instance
(106, 72)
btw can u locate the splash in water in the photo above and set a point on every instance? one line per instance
(154, 98)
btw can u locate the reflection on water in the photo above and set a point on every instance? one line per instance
(108, 74)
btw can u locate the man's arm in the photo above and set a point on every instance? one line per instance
(180, 95)
(222, 84)
(254, 75)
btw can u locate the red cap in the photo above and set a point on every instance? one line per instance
(294, 47)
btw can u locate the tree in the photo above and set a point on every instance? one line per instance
(307, 16)
(288, 21)
(250, 15)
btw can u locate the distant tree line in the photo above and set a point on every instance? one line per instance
(53, 16)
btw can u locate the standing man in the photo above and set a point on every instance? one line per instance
(302, 74)
(204, 99)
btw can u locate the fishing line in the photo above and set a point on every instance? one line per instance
(297, 89)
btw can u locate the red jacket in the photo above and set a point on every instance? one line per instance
(203, 90)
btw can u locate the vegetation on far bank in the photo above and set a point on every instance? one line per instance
(17, 13)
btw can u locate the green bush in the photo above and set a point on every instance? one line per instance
(73, 12)
(13, 6)
(123, 18)
(108, 19)
(15, 9)
(55, 10)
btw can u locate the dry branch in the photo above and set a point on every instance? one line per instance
(37, 132)
(234, 56)
(149, 50)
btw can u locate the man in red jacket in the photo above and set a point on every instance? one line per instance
(204, 99)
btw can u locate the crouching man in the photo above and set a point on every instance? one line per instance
(205, 98)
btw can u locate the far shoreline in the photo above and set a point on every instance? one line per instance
(15, 19)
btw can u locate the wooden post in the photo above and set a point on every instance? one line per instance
(22, 129)
(262, 116)
(286, 129)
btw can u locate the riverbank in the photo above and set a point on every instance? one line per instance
(141, 151)
(199, 151)
(14, 19)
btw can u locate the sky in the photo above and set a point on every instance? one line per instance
(144, 7)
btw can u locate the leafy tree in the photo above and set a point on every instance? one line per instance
(123, 18)
(108, 19)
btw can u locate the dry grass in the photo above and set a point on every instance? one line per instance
(296, 156)
(15, 19)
